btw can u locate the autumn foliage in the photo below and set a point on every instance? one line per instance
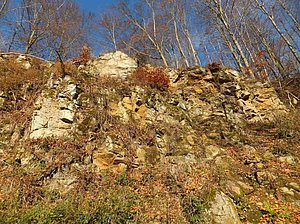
(84, 57)
(152, 77)
(214, 66)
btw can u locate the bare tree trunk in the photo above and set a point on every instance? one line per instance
(207, 54)
(114, 37)
(246, 46)
(179, 43)
(231, 48)
(289, 13)
(186, 32)
(34, 12)
(3, 6)
(30, 42)
(271, 18)
(288, 33)
(156, 43)
(222, 17)
(194, 52)
(153, 39)
(270, 52)
(242, 23)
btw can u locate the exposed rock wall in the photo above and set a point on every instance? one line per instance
(216, 98)
(115, 64)
(225, 92)
(119, 125)
(55, 109)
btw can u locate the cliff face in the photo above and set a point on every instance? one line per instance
(201, 133)
(194, 95)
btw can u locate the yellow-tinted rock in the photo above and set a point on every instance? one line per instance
(214, 135)
(127, 103)
(114, 108)
(190, 140)
(141, 155)
(104, 159)
(142, 111)
(120, 168)
(119, 110)
(260, 165)
(198, 89)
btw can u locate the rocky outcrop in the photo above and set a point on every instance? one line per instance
(24, 61)
(198, 95)
(193, 134)
(219, 99)
(55, 109)
(227, 93)
(259, 102)
(116, 64)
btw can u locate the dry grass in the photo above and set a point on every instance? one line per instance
(13, 75)
(20, 87)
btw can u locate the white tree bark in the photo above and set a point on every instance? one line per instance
(158, 44)
(3, 5)
(289, 13)
(283, 36)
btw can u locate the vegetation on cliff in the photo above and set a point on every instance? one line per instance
(170, 148)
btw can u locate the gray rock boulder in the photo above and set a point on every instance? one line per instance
(222, 210)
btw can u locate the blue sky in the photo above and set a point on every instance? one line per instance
(95, 5)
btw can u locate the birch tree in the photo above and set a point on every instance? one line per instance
(145, 20)
(182, 30)
(3, 6)
(289, 12)
(110, 24)
(271, 18)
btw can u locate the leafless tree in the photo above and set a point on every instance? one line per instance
(260, 37)
(249, 30)
(3, 6)
(146, 21)
(271, 18)
(43, 27)
(66, 31)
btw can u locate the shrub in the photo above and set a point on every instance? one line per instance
(153, 77)
(214, 66)
(192, 208)
(19, 86)
(84, 57)
(13, 75)
(60, 69)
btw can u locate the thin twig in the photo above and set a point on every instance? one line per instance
(61, 63)
(27, 55)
